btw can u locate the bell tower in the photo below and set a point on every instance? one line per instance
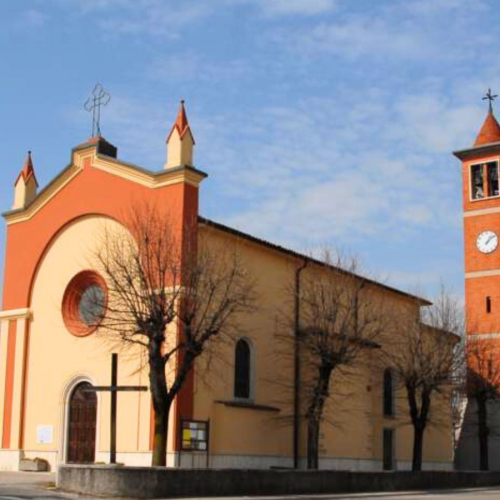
(481, 216)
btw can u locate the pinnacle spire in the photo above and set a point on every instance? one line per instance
(181, 123)
(28, 170)
(26, 185)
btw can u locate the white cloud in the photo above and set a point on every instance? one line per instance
(189, 66)
(34, 18)
(362, 36)
(306, 7)
(167, 17)
(409, 31)
(438, 7)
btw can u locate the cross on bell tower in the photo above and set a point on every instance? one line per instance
(490, 99)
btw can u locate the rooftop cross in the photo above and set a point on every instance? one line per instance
(98, 98)
(490, 98)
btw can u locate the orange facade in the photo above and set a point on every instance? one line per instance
(90, 191)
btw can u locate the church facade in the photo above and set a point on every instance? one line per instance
(48, 365)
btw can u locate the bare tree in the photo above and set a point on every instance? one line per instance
(172, 296)
(341, 320)
(424, 359)
(483, 387)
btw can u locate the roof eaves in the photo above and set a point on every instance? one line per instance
(301, 256)
(41, 193)
(153, 173)
(484, 148)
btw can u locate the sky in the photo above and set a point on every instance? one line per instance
(319, 122)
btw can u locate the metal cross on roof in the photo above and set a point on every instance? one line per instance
(490, 98)
(93, 104)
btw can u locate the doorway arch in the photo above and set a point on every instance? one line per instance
(82, 424)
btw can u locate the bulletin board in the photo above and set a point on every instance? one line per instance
(195, 435)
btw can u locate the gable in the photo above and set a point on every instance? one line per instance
(91, 184)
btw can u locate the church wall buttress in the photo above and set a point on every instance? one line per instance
(8, 382)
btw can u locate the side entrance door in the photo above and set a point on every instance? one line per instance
(82, 425)
(388, 449)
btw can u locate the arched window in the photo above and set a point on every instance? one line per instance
(388, 393)
(242, 369)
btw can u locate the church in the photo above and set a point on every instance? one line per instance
(47, 363)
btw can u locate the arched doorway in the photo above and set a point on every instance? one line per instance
(82, 417)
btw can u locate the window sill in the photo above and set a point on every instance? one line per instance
(247, 405)
(486, 198)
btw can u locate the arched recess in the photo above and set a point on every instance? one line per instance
(54, 238)
(48, 337)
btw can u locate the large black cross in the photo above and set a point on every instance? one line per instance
(114, 388)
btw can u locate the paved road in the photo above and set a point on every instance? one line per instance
(27, 486)
(34, 486)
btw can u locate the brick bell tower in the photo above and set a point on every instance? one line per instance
(481, 207)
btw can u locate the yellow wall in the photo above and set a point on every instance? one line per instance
(353, 417)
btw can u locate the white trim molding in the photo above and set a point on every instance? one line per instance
(16, 313)
(482, 211)
(482, 274)
(483, 336)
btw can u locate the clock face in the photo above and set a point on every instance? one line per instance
(487, 241)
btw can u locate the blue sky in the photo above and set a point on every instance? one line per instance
(320, 122)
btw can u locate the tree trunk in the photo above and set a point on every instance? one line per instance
(160, 437)
(315, 413)
(418, 441)
(419, 422)
(161, 402)
(483, 433)
(312, 444)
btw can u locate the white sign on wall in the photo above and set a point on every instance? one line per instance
(44, 434)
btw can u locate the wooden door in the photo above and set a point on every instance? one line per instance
(388, 459)
(82, 425)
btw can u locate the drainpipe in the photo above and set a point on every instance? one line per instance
(296, 379)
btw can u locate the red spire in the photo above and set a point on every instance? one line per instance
(490, 131)
(181, 123)
(28, 171)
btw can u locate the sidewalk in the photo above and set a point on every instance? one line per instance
(27, 478)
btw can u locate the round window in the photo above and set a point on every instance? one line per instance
(84, 303)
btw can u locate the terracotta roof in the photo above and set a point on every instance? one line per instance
(490, 131)
(181, 124)
(28, 171)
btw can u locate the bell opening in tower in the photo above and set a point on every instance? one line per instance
(492, 170)
(484, 180)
